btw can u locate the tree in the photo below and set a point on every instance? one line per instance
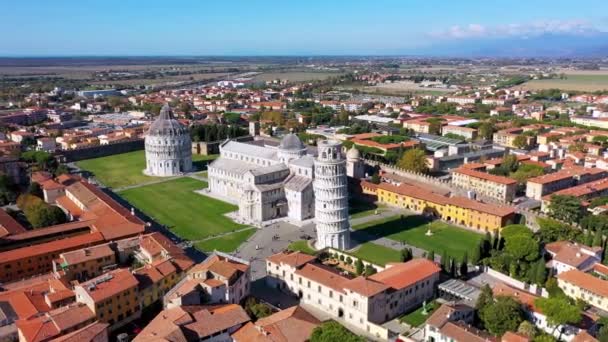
(486, 297)
(359, 267)
(502, 315)
(35, 189)
(602, 334)
(464, 265)
(521, 142)
(369, 270)
(566, 208)
(558, 311)
(431, 256)
(522, 247)
(476, 255)
(486, 130)
(452, 267)
(44, 215)
(540, 272)
(406, 254)
(598, 239)
(414, 160)
(527, 329)
(62, 169)
(256, 309)
(375, 178)
(445, 261)
(332, 331)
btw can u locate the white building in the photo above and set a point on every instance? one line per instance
(331, 197)
(566, 256)
(168, 146)
(361, 301)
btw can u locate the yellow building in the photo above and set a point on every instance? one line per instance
(577, 284)
(113, 297)
(156, 279)
(459, 210)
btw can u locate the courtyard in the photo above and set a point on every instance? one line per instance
(125, 169)
(413, 229)
(186, 213)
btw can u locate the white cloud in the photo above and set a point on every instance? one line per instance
(535, 28)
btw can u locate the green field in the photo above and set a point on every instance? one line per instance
(227, 243)
(412, 230)
(580, 82)
(417, 317)
(377, 254)
(125, 169)
(358, 208)
(302, 246)
(175, 204)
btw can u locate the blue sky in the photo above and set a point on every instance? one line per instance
(268, 27)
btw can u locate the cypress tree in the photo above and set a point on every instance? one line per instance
(431, 256)
(464, 267)
(598, 239)
(476, 255)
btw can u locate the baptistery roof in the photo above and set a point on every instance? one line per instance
(166, 124)
(291, 142)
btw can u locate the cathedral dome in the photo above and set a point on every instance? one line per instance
(291, 142)
(166, 124)
(353, 153)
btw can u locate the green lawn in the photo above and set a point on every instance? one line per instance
(125, 169)
(302, 246)
(175, 204)
(417, 318)
(377, 254)
(358, 208)
(227, 243)
(412, 230)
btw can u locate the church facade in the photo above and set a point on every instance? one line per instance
(287, 181)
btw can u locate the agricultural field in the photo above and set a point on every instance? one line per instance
(227, 243)
(295, 76)
(405, 87)
(188, 214)
(412, 230)
(575, 81)
(121, 170)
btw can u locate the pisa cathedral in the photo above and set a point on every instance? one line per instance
(287, 181)
(168, 146)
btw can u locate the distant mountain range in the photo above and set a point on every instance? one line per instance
(547, 45)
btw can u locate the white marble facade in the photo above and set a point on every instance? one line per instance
(168, 146)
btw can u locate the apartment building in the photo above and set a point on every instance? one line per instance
(221, 278)
(85, 263)
(540, 186)
(466, 132)
(578, 284)
(585, 192)
(459, 210)
(361, 301)
(55, 323)
(290, 325)
(498, 187)
(506, 137)
(450, 322)
(113, 297)
(461, 100)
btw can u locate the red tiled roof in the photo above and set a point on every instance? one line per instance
(486, 176)
(585, 281)
(403, 275)
(109, 284)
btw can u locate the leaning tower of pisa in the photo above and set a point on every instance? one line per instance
(331, 197)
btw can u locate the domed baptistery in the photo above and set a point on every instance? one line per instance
(168, 146)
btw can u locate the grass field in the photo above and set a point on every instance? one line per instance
(580, 82)
(416, 317)
(125, 169)
(377, 254)
(175, 204)
(412, 230)
(227, 243)
(358, 209)
(302, 246)
(295, 76)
